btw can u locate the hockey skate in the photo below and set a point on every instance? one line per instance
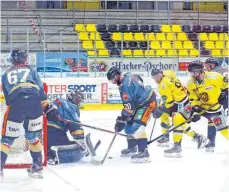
(141, 157)
(163, 142)
(175, 151)
(36, 171)
(210, 146)
(201, 140)
(129, 152)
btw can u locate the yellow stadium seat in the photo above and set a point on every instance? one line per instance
(227, 45)
(166, 45)
(127, 53)
(176, 28)
(91, 53)
(203, 36)
(213, 37)
(95, 36)
(182, 37)
(194, 53)
(183, 53)
(165, 28)
(177, 45)
(149, 53)
(155, 45)
(103, 53)
(138, 53)
(220, 45)
(79, 27)
(209, 45)
(149, 36)
(99, 45)
(116, 36)
(171, 53)
(161, 53)
(128, 36)
(91, 28)
(171, 36)
(87, 45)
(83, 36)
(226, 53)
(188, 45)
(160, 37)
(223, 37)
(216, 53)
(139, 37)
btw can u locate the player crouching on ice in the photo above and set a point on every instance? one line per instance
(139, 102)
(63, 115)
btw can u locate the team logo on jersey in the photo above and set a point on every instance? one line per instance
(217, 121)
(125, 96)
(204, 97)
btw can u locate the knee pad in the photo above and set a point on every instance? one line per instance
(179, 119)
(165, 120)
(7, 140)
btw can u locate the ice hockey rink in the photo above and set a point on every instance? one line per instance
(196, 171)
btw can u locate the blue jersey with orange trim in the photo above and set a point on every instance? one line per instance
(21, 79)
(133, 93)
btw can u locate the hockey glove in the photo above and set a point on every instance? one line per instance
(196, 109)
(159, 111)
(120, 123)
(223, 96)
(51, 112)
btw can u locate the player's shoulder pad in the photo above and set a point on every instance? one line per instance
(212, 75)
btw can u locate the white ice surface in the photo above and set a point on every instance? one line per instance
(196, 171)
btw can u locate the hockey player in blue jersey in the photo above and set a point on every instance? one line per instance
(139, 102)
(211, 64)
(61, 115)
(24, 95)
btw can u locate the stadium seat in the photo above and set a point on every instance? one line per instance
(106, 36)
(139, 37)
(110, 45)
(155, 29)
(227, 45)
(171, 36)
(160, 37)
(112, 28)
(220, 45)
(101, 28)
(177, 45)
(216, 53)
(133, 45)
(138, 53)
(116, 36)
(123, 28)
(166, 45)
(196, 28)
(213, 37)
(127, 53)
(207, 28)
(95, 36)
(149, 53)
(194, 53)
(83, 36)
(134, 28)
(226, 53)
(225, 28)
(203, 36)
(176, 28)
(223, 36)
(143, 45)
(165, 28)
(103, 53)
(122, 45)
(160, 53)
(182, 37)
(99, 45)
(172, 53)
(217, 28)
(114, 52)
(128, 36)
(186, 28)
(149, 36)
(91, 28)
(155, 45)
(79, 27)
(188, 45)
(183, 53)
(91, 53)
(209, 45)
(87, 45)
(144, 28)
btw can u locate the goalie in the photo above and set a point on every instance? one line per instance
(61, 115)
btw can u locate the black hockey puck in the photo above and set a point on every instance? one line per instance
(110, 157)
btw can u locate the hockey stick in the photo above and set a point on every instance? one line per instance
(187, 121)
(154, 123)
(96, 162)
(96, 128)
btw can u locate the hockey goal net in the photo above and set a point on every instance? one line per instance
(19, 155)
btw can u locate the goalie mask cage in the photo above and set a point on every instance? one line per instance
(19, 155)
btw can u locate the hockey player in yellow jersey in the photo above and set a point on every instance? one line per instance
(205, 90)
(175, 102)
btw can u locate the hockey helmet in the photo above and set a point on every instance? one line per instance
(155, 71)
(196, 66)
(76, 97)
(18, 56)
(212, 61)
(113, 75)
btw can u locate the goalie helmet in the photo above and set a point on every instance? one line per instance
(113, 75)
(18, 56)
(196, 66)
(76, 97)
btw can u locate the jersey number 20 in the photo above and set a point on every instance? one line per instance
(13, 76)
